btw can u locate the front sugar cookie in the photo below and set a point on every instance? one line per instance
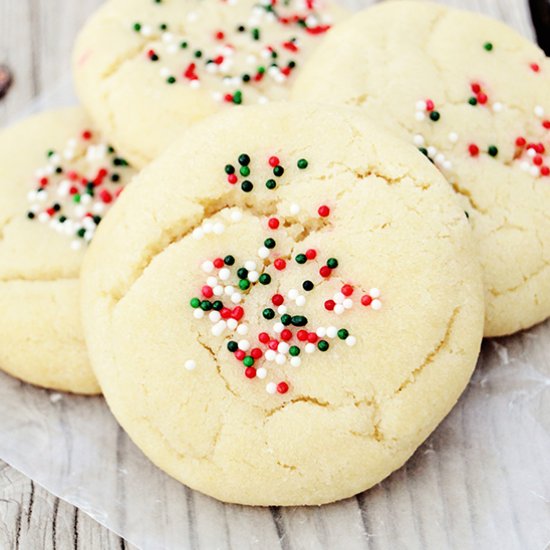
(174, 62)
(474, 97)
(291, 313)
(57, 180)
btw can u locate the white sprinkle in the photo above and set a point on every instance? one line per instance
(263, 252)
(261, 373)
(432, 151)
(348, 303)
(376, 305)
(198, 313)
(293, 294)
(219, 228)
(43, 217)
(283, 347)
(76, 245)
(419, 116)
(539, 111)
(351, 340)
(447, 165)
(280, 359)
(321, 332)
(56, 397)
(339, 298)
(332, 332)
(190, 364)
(212, 281)
(497, 107)
(224, 274)
(453, 137)
(198, 233)
(146, 30)
(236, 215)
(301, 301)
(165, 72)
(218, 290)
(207, 227)
(218, 328)
(338, 309)
(236, 297)
(253, 276)
(270, 355)
(232, 324)
(310, 348)
(192, 16)
(374, 293)
(271, 388)
(294, 208)
(242, 329)
(534, 171)
(250, 265)
(419, 140)
(214, 316)
(244, 345)
(282, 309)
(439, 158)
(278, 327)
(229, 290)
(295, 361)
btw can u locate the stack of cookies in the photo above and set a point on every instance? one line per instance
(275, 234)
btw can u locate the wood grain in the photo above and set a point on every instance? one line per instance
(36, 38)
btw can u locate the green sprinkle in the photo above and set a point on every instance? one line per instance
(268, 313)
(265, 279)
(256, 34)
(294, 351)
(81, 232)
(286, 319)
(195, 303)
(238, 97)
(488, 46)
(301, 259)
(307, 286)
(198, 54)
(229, 169)
(232, 346)
(244, 284)
(493, 150)
(183, 45)
(30, 215)
(343, 334)
(302, 164)
(467, 215)
(246, 78)
(206, 305)
(299, 321)
(278, 171)
(244, 171)
(163, 26)
(115, 178)
(322, 345)
(248, 361)
(137, 27)
(229, 260)
(423, 150)
(261, 70)
(332, 263)
(76, 198)
(271, 184)
(244, 159)
(217, 305)
(242, 273)
(247, 186)
(270, 243)
(435, 116)
(171, 80)
(472, 101)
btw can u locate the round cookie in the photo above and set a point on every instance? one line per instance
(56, 182)
(291, 313)
(147, 69)
(473, 96)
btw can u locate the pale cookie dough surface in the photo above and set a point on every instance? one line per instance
(147, 70)
(307, 427)
(43, 236)
(392, 60)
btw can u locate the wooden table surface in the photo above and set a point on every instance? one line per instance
(36, 38)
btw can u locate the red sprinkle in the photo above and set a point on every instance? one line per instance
(207, 292)
(273, 223)
(323, 211)
(302, 335)
(263, 337)
(237, 313)
(286, 335)
(347, 290)
(225, 312)
(476, 88)
(537, 161)
(256, 353)
(240, 355)
(86, 135)
(473, 150)
(482, 98)
(366, 300)
(274, 161)
(430, 105)
(277, 299)
(282, 387)
(218, 263)
(250, 372)
(279, 264)
(545, 171)
(546, 124)
(312, 338)
(329, 305)
(232, 179)
(219, 35)
(311, 254)
(535, 67)
(520, 142)
(105, 196)
(325, 271)
(273, 344)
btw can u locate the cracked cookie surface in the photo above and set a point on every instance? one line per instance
(57, 179)
(472, 95)
(358, 262)
(176, 62)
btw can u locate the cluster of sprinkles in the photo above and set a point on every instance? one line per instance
(76, 186)
(264, 46)
(530, 153)
(289, 335)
